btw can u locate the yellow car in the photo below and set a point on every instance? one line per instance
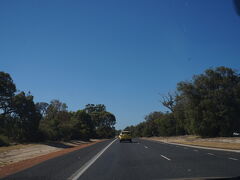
(125, 136)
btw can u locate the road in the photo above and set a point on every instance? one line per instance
(142, 159)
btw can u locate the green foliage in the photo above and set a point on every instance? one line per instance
(7, 90)
(22, 120)
(4, 141)
(57, 124)
(213, 102)
(83, 125)
(103, 121)
(208, 106)
(167, 125)
(26, 117)
(92, 108)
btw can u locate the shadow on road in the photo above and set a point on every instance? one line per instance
(58, 145)
(133, 141)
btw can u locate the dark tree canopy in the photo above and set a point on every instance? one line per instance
(208, 105)
(7, 90)
(21, 120)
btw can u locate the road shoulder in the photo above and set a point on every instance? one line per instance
(203, 144)
(27, 163)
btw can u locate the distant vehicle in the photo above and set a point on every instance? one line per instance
(125, 136)
(236, 134)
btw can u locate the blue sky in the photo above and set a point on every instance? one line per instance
(121, 53)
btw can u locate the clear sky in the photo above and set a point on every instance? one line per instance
(121, 53)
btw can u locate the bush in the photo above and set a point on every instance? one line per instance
(4, 141)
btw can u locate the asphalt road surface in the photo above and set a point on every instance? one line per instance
(142, 159)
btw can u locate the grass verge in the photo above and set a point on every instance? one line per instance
(220, 142)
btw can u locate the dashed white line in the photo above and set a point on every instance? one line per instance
(195, 150)
(233, 159)
(78, 173)
(146, 147)
(166, 158)
(211, 154)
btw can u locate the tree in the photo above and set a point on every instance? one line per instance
(7, 90)
(26, 118)
(92, 108)
(103, 121)
(56, 106)
(42, 108)
(151, 126)
(213, 102)
(169, 101)
(167, 125)
(56, 124)
(83, 125)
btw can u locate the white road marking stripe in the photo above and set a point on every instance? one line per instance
(78, 173)
(233, 159)
(166, 158)
(192, 146)
(195, 150)
(211, 154)
(145, 146)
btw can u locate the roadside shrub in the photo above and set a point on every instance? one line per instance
(4, 141)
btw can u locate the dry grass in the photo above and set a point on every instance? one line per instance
(232, 143)
(14, 147)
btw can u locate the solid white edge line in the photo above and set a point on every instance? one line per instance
(79, 172)
(192, 146)
(165, 157)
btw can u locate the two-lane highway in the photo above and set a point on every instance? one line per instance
(141, 159)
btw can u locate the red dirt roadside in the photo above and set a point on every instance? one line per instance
(18, 166)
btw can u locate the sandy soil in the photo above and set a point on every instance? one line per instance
(232, 143)
(12, 154)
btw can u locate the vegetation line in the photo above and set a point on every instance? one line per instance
(22, 120)
(208, 106)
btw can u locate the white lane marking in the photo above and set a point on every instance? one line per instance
(146, 147)
(195, 150)
(233, 159)
(211, 154)
(199, 147)
(79, 172)
(166, 158)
